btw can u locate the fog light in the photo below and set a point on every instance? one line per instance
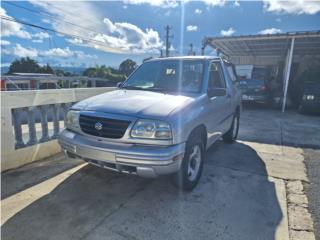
(178, 157)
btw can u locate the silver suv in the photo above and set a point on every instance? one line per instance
(159, 121)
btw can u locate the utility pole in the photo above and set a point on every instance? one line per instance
(191, 52)
(168, 43)
(161, 53)
(204, 44)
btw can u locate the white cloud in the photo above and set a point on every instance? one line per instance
(237, 3)
(4, 42)
(66, 53)
(213, 3)
(292, 7)
(128, 38)
(110, 26)
(41, 35)
(192, 28)
(270, 31)
(227, 33)
(20, 51)
(115, 37)
(37, 40)
(9, 28)
(198, 11)
(45, 20)
(58, 52)
(6, 51)
(76, 41)
(155, 3)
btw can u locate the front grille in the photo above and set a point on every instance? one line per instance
(111, 128)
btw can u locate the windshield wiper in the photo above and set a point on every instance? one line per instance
(153, 89)
(133, 88)
(157, 89)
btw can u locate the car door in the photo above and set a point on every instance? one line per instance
(219, 104)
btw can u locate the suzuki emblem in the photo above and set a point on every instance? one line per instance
(98, 126)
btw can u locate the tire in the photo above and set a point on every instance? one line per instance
(190, 171)
(232, 134)
(301, 110)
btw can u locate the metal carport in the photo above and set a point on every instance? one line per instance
(268, 48)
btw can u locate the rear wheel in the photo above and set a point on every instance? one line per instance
(301, 109)
(190, 172)
(232, 134)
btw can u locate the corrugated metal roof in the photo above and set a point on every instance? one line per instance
(306, 43)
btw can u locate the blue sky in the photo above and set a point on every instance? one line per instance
(135, 28)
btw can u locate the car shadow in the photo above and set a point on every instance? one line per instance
(234, 200)
(274, 127)
(17, 180)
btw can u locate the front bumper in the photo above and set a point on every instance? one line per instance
(253, 98)
(143, 160)
(312, 106)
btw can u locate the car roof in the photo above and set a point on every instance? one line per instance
(186, 58)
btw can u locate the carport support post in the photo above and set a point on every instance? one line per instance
(287, 74)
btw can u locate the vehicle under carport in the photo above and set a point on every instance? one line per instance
(288, 56)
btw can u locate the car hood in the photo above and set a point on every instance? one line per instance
(137, 103)
(311, 88)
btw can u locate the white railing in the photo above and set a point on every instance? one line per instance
(31, 121)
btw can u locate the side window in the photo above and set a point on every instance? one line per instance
(216, 79)
(231, 72)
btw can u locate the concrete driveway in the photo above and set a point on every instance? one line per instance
(249, 190)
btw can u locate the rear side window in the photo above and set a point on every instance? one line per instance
(216, 79)
(231, 72)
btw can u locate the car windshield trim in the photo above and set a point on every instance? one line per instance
(134, 83)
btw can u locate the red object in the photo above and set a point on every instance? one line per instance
(263, 88)
(3, 85)
(33, 84)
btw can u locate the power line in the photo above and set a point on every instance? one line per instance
(49, 15)
(69, 13)
(55, 31)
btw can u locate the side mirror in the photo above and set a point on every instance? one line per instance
(217, 92)
(119, 84)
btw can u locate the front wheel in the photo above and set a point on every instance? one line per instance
(232, 134)
(191, 168)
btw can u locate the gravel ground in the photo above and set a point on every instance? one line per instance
(312, 160)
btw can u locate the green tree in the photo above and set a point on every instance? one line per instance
(28, 65)
(104, 72)
(46, 69)
(24, 65)
(59, 72)
(127, 67)
(90, 72)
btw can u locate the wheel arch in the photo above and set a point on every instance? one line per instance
(203, 132)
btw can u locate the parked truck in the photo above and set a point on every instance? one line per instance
(160, 121)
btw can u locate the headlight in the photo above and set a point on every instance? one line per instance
(151, 129)
(72, 119)
(308, 97)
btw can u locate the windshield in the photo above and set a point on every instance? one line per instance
(312, 77)
(168, 75)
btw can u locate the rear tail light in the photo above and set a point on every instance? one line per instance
(263, 88)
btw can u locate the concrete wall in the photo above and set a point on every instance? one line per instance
(11, 157)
